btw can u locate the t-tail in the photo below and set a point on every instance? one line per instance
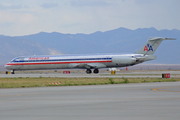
(152, 44)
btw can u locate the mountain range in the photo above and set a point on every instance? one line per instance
(121, 40)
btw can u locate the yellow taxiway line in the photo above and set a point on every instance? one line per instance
(163, 89)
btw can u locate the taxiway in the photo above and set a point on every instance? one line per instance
(144, 101)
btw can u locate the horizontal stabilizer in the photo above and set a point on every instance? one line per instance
(160, 38)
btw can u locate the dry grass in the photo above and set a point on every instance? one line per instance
(38, 82)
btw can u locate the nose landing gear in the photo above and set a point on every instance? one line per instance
(12, 72)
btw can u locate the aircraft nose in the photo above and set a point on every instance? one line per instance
(7, 66)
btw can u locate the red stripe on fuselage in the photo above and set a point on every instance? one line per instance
(42, 63)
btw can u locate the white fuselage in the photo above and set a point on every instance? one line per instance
(76, 61)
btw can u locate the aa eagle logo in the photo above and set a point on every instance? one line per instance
(148, 47)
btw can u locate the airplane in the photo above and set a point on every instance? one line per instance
(88, 62)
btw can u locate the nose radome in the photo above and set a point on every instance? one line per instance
(7, 66)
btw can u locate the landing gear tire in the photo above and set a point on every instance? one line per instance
(88, 71)
(96, 71)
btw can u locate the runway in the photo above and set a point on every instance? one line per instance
(144, 101)
(105, 74)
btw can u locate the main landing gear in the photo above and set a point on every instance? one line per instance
(88, 71)
(96, 71)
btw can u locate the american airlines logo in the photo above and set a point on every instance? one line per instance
(38, 58)
(148, 47)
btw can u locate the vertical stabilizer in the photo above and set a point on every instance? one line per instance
(152, 44)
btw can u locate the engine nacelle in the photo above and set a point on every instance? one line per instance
(123, 60)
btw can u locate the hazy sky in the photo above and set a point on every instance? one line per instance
(24, 17)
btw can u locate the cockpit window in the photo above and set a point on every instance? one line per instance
(19, 59)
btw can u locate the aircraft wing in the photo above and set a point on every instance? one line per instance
(87, 65)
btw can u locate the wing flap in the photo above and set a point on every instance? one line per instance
(87, 65)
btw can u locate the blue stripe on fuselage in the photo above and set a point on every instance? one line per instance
(51, 60)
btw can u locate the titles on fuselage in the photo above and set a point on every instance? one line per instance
(38, 58)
